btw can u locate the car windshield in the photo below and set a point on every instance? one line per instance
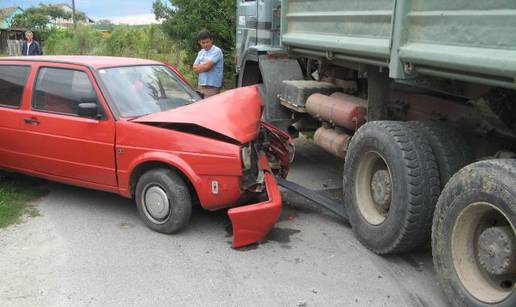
(142, 90)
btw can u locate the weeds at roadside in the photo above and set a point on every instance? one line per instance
(16, 193)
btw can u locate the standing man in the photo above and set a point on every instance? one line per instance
(209, 65)
(30, 46)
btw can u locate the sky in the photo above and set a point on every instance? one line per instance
(118, 11)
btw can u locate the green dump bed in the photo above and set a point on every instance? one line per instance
(470, 40)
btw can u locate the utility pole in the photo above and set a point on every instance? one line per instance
(73, 15)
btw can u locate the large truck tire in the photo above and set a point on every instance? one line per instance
(391, 185)
(450, 148)
(473, 235)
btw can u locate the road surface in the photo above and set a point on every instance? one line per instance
(89, 248)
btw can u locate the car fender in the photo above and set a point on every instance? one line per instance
(169, 159)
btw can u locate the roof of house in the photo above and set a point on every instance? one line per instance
(96, 62)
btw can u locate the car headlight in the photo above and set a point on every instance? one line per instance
(246, 157)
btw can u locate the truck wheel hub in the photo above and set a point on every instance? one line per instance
(381, 188)
(497, 250)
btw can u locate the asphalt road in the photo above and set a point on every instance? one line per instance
(90, 248)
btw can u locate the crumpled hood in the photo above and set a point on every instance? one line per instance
(235, 114)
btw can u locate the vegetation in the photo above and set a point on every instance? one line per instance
(183, 19)
(143, 42)
(173, 42)
(15, 196)
(40, 16)
(84, 41)
(104, 25)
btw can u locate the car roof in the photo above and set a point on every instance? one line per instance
(95, 62)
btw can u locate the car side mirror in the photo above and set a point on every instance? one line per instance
(200, 94)
(88, 109)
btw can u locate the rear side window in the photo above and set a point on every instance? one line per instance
(61, 90)
(12, 84)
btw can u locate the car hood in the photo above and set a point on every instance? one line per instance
(235, 114)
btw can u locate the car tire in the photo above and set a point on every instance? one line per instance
(477, 203)
(3, 175)
(163, 200)
(450, 148)
(391, 185)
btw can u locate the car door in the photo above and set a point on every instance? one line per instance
(72, 148)
(13, 79)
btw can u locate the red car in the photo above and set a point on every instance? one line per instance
(136, 128)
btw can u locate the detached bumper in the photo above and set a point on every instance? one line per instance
(252, 223)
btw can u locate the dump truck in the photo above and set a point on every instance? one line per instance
(418, 98)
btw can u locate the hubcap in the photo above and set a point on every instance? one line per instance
(156, 204)
(483, 251)
(373, 188)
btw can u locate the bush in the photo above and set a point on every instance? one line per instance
(83, 41)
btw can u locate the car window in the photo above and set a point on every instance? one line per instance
(61, 90)
(140, 90)
(12, 84)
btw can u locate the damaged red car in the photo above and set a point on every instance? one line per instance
(136, 127)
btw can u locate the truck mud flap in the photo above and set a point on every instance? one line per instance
(274, 71)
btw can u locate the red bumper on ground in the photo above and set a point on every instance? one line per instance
(253, 222)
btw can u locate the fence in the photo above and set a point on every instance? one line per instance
(14, 47)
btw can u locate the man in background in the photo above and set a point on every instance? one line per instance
(30, 46)
(209, 65)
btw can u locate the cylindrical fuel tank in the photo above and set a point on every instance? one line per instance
(332, 141)
(354, 99)
(347, 112)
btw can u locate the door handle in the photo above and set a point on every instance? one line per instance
(31, 120)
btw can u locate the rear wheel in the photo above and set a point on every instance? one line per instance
(450, 148)
(473, 237)
(163, 200)
(391, 185)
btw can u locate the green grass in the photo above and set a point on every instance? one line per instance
(16, 193)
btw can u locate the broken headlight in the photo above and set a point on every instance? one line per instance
(246, 157)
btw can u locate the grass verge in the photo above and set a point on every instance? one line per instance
(16, 193)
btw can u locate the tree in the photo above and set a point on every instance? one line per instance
(40, 16)
(183, 19)
(54, 12)
(31, 19)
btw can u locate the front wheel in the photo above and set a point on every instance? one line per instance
(473, 236)
(163, 200)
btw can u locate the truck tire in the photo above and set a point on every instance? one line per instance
(473, 235)
(163, 200)
(450, 148)
(391, 186)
